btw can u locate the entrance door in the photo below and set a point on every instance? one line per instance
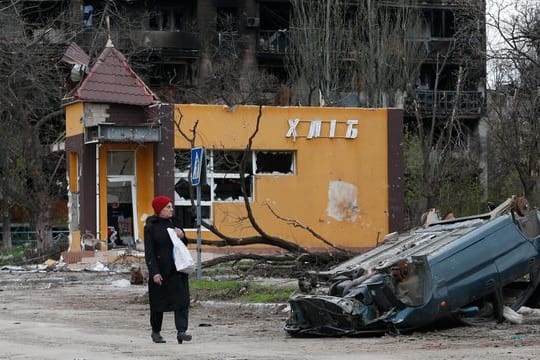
(122, 228)
(121, 207)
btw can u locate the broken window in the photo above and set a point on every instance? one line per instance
(182, 189)
(183, 207)
(182, 160)
(173, 18)
(166, 19)
(171, 74)
(230, 189)
(188, 215)
(274, 162)
(227, 20)
(274, 16)
(223, 181)
(441, 22)
(226, 165)
(88, 16)
(229, 161)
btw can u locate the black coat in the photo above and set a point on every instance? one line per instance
(173, 293)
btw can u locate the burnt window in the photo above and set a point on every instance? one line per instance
(166, 19)
(180, 17)
(171, 74)
(227, 20)
(274, 162)
(441, 22)
(274, 16)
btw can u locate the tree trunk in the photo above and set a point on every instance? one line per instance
(6, 226)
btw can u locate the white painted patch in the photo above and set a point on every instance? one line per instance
(342, 204)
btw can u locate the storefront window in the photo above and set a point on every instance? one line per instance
(223, 182)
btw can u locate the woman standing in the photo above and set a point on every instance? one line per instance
(168, 288)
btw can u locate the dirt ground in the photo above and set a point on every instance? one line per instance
(89, 315)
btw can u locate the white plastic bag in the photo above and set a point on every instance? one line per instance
(182, 257)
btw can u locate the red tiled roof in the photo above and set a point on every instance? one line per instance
(111, 80)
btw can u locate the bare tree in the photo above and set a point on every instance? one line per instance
(319, 44)
(30, 110)
(448, 168)
(388, 51)
(375, 50)
(340, 47)
(230, 82)
(514, 118)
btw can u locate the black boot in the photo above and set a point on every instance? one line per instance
(182, 336)
(157, 338)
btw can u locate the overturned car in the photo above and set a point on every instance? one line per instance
(448, 269)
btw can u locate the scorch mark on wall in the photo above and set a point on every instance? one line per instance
(342, 204)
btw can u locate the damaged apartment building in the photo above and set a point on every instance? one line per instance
(175, 49)
(177, 46)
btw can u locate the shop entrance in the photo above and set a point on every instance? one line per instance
(122, 229)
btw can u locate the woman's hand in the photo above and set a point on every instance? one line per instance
(158, 279)
(179, 232)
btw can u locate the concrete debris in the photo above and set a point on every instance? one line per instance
(512, 316)
(121, 283)
(100, 267)
(14, 268)
(50, 262)
(527, 311)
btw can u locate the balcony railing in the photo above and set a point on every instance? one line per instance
(167, 39)
(467, 103)
(424, 3)
(181, 40)
(272, 41)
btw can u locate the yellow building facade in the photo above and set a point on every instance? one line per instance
(327, 171)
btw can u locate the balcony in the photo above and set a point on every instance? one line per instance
(469, 103)
(167, 39)
(422, 4)
(178, 41)
(273, 42)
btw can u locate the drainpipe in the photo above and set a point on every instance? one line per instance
(98, 237)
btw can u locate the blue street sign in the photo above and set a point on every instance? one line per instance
(197, 160)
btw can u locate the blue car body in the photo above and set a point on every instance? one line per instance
(448, 269)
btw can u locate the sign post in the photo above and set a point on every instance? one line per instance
(198, 171)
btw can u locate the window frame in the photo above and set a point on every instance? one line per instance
(213, 173)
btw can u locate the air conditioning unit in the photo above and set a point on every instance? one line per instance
(253, 22)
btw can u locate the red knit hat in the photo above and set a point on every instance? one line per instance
(159, 203)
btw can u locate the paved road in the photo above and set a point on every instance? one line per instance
(90, 316)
